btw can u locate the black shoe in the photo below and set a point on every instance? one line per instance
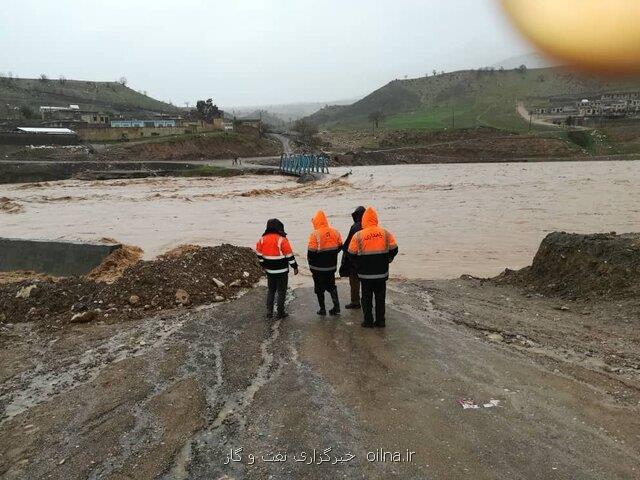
(366, 325)
(352, 306)
(334, 312)
(269, 315)
(322, 313)
(282, 316)
(381, 324)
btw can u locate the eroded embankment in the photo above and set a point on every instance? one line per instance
(576, 308)
(601, 266)
(123, 288)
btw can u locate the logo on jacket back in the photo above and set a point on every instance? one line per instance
(371, 236)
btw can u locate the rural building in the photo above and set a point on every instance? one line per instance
(95, 118)
(160, 123)
(72, 115)
(607, 105)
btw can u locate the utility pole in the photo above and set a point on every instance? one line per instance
(530, 120)
(453, 117)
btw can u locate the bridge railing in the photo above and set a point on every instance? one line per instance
(300, 163)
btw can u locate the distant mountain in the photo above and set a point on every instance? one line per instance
(100, 96)
(466, 98)
(289, 111)
(531, 60)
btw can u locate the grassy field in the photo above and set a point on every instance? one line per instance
(102, 96)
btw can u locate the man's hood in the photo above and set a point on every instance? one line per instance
(275, 226)
(320, 220)
(370, 218)
(357, 214)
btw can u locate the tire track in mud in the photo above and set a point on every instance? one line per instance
(227, 411)
(47, 379)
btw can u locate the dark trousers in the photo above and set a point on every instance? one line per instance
(354, 283)
(323, 281)
(371, 288)
(277, 283)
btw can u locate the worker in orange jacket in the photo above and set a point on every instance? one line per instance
(325, 243)
(276, 256)
(372, 249)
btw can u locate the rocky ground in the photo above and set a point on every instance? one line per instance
(184, 277)
(483, 379)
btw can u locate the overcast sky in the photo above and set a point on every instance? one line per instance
(251, 52)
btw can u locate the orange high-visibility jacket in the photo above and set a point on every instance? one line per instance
(275, 253)
(372, 248)
(325, 243)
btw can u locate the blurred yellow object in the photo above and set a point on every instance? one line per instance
(595, 35)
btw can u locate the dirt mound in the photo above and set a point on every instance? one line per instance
(202, 276)
(179, 251)
(115, 264)
(22, 275)
(583, 266)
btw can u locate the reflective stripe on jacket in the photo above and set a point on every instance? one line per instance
(275, 253)
(373, 248)
(325, 243)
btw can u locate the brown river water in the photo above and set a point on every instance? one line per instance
(448, 219)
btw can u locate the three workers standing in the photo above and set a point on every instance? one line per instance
(366, 257)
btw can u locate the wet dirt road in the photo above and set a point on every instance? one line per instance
(171, 398)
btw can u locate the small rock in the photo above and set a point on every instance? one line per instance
(495, 337)
(62, 461)
(25, 292)
(245, 274)
(218, 298)
(235, 283)
(134, 300)
(563, 308)
(218, 283)
(85, 317)
(182, 297)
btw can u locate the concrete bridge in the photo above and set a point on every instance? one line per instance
(301, 163)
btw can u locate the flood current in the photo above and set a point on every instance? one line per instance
(448, 219)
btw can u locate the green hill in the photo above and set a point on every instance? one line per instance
(470, 98)
(101, 96)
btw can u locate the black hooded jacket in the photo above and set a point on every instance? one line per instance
(276, 226)
(355, 228)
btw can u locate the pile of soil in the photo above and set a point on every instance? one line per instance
(198, 276)
(569, 265)
(115, 264)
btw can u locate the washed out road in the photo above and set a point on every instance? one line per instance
(179, 397)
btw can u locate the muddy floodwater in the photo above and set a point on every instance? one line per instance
(448, 219)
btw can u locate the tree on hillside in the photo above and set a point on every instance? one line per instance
(375, 118)
(208, 111)
(27, 112)
(43, 78)
(522, 68)
(62, 80)
(306, 129)
(123, 81)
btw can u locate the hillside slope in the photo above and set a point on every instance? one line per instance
(464, 99)
(103, 96)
